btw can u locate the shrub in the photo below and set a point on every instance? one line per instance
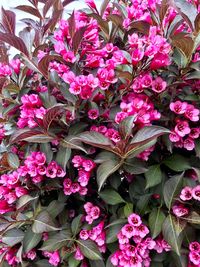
(100, 135)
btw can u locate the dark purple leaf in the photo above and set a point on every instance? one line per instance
(104, 6)
(34, 2)
(31, 10)
(14, 41)
(77, 38)
(117, 20)
(47, 6)
(51, 115)
(102, 23)
(72, 25)
(35, 136)
(43, 65)
(56, 16)
(67, 2)
(8, 20)
(31, 23)
(3, 53)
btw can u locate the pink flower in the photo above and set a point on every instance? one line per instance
(178, 107)
(84, 235)
(182, 128)
(192, 113)
(134, 220)
(186, 193)
(4, 207)
(54, 258)
(189, 144)
(158, 85)
(128, 230)
(180, 210)
(196, 192)
(194, 258)
(93, 114)
(194, 246)
(174, 137)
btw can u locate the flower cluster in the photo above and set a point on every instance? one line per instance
(111, 133)
(32, 111)
(153, 46)
(11, 188)
(93, 212)
(97, 234)
(84, 167)
(183, 134)
(54, 257)
(134, 246)
(194, 254)
(187, 194)
(140, 106)
(5, 70)
(36, 169)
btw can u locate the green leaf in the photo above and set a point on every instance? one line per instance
(177, 163)
(63, 156)
(73, 262)
(126, 126)
(105, 156)
(142, 204)
(171, 189)
(24, 201)
(30, 240)
(156, 219)
(76, 224)
(111, 233)
(47, 150)
(197, 148)
(97, 263)
(108, 263)
(55, 208)
(89, 249)
(172, 232)
(43, 223)
(135, 166)
(13, 237)
(96, 139)
(153, 176)
(13, 160)
(133, 151)
(148, 133)
(128, 209)
(56, 241)
(73, 143)
(106, 169)
(111, 197)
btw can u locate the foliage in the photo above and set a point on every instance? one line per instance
(99, 132)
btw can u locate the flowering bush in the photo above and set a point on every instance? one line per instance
(100, 147)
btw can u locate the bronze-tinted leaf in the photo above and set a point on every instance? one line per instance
(14, 41)
(72, 25)
(30, 136)
(184, 43)
(8, 20)
(34, 2)
(31, 10)
(47, 6)
(197, 23)
(117, 20)
(51, 115)
(163, 9)
(140, 26)
(77, 38)
(102, 23)
(104, 6)
(57, 14)
(3, 53)
(67, 2)
(43, 65)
